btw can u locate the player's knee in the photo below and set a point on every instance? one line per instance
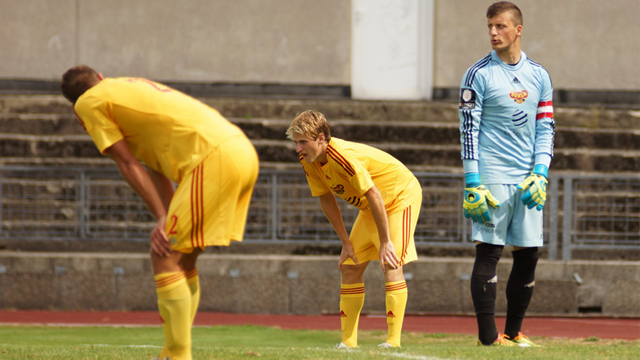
(487, 257)
(353, 274)
(526, 253)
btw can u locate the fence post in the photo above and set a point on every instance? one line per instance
(274, 206)
(567, 218)
(552, 207)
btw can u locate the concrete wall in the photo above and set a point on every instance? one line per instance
(301, 284)
(586, 45)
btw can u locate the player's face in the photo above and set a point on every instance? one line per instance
(311, 150)
(503, 32)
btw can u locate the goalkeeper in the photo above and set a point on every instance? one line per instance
(506, 133)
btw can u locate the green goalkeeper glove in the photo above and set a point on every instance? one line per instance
(476, 197)
(535, 188)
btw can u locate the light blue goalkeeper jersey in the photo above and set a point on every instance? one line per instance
(506, 119)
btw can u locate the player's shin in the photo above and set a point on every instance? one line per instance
(351, 301)
(174, 305)
(396, 303)
(193, 280)
(520, 288)
(484, 281)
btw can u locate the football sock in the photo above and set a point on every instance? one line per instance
(520, 288)
(193, 281)
(351, 301)
(174, 304)
(396, 301)
(484, 283)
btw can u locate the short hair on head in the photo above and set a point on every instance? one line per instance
(77, 80)
(504, 6)
(310, 124)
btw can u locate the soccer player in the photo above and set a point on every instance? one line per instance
(179, 140)
(506, 131)
(389, 198)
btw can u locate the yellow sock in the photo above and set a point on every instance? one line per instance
(351, 301)
(194, 287)
(396, 301)
(174, 304)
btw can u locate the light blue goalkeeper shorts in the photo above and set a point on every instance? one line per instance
(512, 223)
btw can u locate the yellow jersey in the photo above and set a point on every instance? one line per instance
(167, 130)
(353, 168)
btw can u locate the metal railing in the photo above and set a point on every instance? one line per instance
(585, 212)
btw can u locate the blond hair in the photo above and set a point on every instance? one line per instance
(309, 124)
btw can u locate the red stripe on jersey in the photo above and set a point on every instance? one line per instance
(335, 155)
(197, 208)
(406, 233)
(202, 205)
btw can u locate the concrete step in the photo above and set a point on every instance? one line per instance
(382, 111)
(17, 146)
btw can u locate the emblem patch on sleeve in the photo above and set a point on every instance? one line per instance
(467, 99)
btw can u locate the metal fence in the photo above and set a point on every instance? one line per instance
(585, 212)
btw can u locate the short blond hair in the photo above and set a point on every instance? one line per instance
(309, 124)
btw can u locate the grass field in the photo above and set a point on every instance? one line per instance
(254, 342)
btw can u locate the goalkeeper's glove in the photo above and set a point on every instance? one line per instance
(536, 188)
(476, 197)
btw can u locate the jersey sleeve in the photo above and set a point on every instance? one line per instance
(470, 112)
(93, 114)
(545, 123)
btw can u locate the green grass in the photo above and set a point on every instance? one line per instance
(254, 342)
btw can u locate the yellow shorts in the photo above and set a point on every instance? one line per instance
(402, 224)
(210, 206)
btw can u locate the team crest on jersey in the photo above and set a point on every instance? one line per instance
(338, 189)
(467, 99)
(519, 96)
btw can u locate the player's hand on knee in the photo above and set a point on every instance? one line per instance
(535, 188)
(347, 253)
(476, 198)
(159, 241)
(388, 257)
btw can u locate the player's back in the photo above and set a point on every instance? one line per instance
(168, 130)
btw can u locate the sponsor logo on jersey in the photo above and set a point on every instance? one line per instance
(390, 314)
(338, 189)
(519, 96)
(516, 80)
(467, 99)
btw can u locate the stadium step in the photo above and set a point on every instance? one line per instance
(42, 129)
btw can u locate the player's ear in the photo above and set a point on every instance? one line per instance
(100, 76)
(321, 137)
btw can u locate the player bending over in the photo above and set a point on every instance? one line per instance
(179, 140)
(506, 131)
(389, 198)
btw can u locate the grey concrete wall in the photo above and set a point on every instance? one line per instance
(301, 284)
(586, 45)
(255, 41)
